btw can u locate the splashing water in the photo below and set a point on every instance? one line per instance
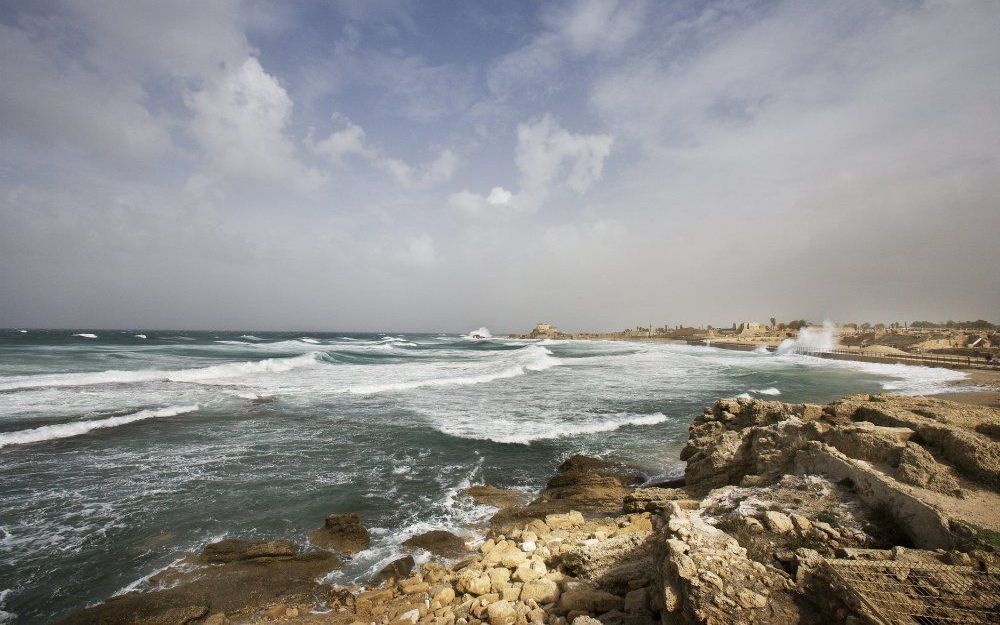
(811, 339)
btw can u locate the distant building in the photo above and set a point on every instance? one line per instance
(750, 328)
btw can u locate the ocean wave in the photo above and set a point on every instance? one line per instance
(766, 391)
(197, 375)
(537, 359)
(76, 428)
(525, 434)
(140, 336)
(250, 337)
(478, 335)
(86, 335)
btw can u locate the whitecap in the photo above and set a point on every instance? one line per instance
(537, 359)
(478, 335)
(766, 391)
(250, 337)
(200, 375)
(76, 428)
(528, 432)
(86, 335)
(140, 336)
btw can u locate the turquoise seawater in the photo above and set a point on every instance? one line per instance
(120, 451)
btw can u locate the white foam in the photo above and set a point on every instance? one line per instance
(200, 375)
(5, 616)
(140, 336)
(86, 335)
(811, 339)
(761, 349)
(478, 335)
(76, 428)
(525, 433)
(766, 391)
(250, 337)
(537, 359)
(306, 339)
(23, 331)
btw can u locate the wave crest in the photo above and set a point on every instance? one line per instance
(76, 428)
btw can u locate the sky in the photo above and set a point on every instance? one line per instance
(441, 166)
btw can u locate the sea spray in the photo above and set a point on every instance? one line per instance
(811, 339)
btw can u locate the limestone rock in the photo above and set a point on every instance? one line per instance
(778, 522)
(588, 599)
(540, 591)
(342, 532)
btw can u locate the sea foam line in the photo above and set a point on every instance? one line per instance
(203, 374)
(540, 360)
(76, 428)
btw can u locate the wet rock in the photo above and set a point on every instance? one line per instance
(234, 549)
(244, 577)
(342, 532)
(438, 542)
(397, 569)
(488, 495)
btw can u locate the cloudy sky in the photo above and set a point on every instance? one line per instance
(442, 166)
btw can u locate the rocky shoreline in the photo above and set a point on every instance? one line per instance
(781, 505)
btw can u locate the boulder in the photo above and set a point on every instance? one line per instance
(501, 613)
(778, 522)
(438, 542)
(541, 591)
(342, 532)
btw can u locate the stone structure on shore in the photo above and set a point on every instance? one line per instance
(873, 507)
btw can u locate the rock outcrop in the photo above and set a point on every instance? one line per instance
(773, 493)
(342, 532)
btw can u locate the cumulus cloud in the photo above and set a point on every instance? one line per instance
(351, 140)
(547, 157)
(240, 121)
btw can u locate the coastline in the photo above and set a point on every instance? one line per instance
(753, 532)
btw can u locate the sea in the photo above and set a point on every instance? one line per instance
(123, 450)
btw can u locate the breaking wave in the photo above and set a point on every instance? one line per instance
(811, 339)
(538, 359)
(525, 434)
(86, 335)
(478, 335)
(766, 391)
(203, 374)
(76, 428)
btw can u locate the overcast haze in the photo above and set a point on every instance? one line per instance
(442, 166)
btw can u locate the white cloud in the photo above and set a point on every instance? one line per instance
(547, 157)
(352, 141)
(547, 152)
(240, 121)
(577, 30)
